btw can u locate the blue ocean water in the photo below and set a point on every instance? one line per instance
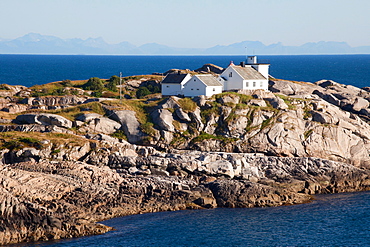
(330, 220)
(29, 70)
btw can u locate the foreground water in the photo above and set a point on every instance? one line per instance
(29, 70)
(331, 220)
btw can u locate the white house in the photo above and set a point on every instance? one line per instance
(173, 84)
(206, 84)
(246, 76)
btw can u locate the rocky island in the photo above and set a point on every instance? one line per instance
(74, 153)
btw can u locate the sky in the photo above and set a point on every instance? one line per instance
(190, 23)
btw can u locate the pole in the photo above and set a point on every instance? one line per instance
(120, 87)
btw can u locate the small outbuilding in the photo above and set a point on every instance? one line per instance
(206, 85)
(173, 84)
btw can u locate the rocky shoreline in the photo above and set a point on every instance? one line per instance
(68, 162)
(62, 199)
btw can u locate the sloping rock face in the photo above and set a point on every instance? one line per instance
(299, 125)
(44, 201)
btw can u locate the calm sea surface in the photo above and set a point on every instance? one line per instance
(333, 220)
(29, 70)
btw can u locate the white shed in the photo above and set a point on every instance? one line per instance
(173, 84)
(207, 85)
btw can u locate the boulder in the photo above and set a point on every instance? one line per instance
(291, 88)
(229, 98)
(258, 102)
(207, 68)
(327, 97)
(182, 115)
(221, 167)
(196, 117)
(163, 119)
(98, 123)
(44, 119)
(15, 108)
(171, 102)
(277, 103)
(130, 125)
(359, 104)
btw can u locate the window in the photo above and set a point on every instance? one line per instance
(254, 84)
(198, 89)
(261, 84)
(192, 89)
(247, 83)
(214, 89)
(231, 74)
(167, 86)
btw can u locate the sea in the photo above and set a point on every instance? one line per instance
(29, 70)
(330, 220)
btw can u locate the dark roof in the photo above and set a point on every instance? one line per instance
(174, 78)
(209, 80)
(248, 73)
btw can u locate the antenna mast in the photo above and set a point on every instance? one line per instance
(120, 87)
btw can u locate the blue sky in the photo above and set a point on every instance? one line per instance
(190, 23)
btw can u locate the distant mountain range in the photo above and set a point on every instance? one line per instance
(34, 43)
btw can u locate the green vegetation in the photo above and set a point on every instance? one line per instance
(142, 92)
(120, 134)
(15, 140)
(112, 83)
(308, 133)
(187, 104)
(93, 84)
(72, 112)
(205, 136)
(22, 142)
(148, 128)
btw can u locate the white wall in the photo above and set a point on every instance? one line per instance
(233, 82)
(263, 69)
(194, 87)
(255, 84)
(169, 89)
(213, 90)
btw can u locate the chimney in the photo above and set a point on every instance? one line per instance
(242, 64)
(231, 63)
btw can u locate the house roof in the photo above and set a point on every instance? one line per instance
(209, 80)
(248, 73)
(174, 78)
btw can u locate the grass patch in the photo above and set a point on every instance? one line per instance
(266, 123)
(15, 140)
(120, 134)
(307, 133)
(187, 104)
(148, 128)
(72, 112)
(205, 136)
